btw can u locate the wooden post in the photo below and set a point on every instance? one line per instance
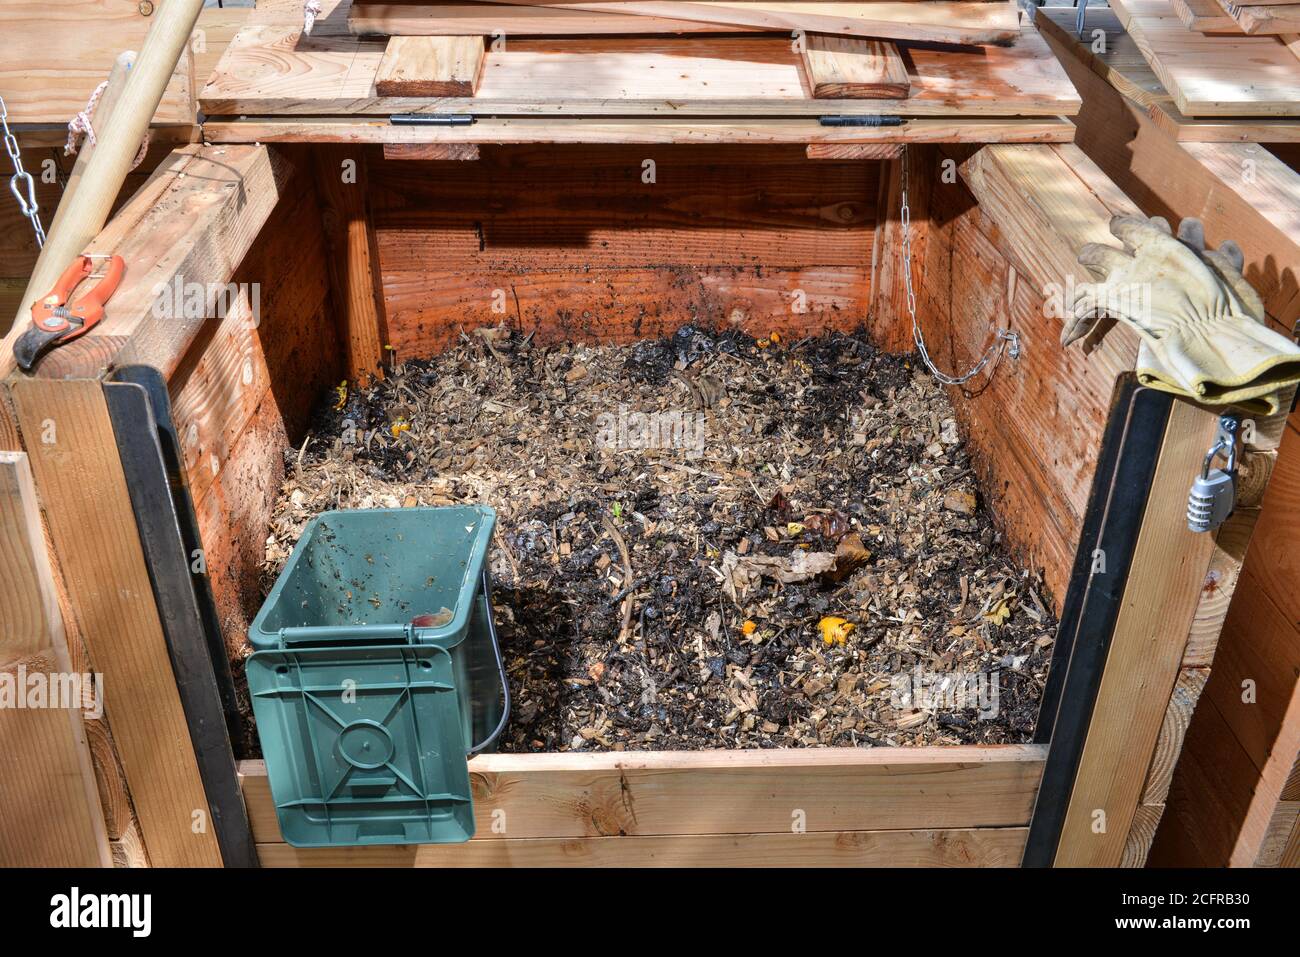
(354, 259)
(79, 477)
(101, 120)
(49, 804)
(82, 215)
(1146, 652)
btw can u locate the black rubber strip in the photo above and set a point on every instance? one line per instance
(1098, 613)
(167, 558)
(160, 404)
(1102, 481)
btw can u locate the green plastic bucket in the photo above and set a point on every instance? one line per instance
(377, 671)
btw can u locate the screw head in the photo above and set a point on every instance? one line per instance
(145, 7)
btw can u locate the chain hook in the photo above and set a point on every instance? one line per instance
(27, 204)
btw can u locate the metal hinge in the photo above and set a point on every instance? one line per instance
(432, 119)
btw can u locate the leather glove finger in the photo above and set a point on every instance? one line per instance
(1081, 315)
(1135, 232)
(1234, 255)
(1103, 259)
(1192, 232)
(1225, 268)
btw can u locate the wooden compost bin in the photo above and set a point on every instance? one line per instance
(755, 205)
(1235, 799)
(343, 274)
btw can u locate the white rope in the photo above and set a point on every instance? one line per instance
(80, 125)
(309, 14)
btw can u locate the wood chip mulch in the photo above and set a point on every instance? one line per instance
(706, 541)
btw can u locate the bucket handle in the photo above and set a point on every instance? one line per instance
(501, 668)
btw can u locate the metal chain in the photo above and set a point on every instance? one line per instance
(21, 178)
(1004, 336)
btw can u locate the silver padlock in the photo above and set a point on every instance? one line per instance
(1214, 493)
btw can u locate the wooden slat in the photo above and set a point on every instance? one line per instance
(430, 66)
(1123, 66)
(1204, 16)
(583, 249)
(827, 790)
(1173, 731)
(1216, 75)
(79, 478)
(271, 69)
(933, 22)
(854, 151)
(1231, 540)
(48, 797)
(427, 152)
(510, 20)
(572, 130)
(1267, 20)
(847, 67)
(354, 258)
(218, 386)
(982, 847)
(1160, 596)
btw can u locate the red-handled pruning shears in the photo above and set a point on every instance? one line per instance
(56, 321)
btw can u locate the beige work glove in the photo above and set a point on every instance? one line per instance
(1202, 325)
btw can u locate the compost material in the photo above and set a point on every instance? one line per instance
(707, 541)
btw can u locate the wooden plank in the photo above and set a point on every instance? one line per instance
(1169, 744)
(574, 130)
(587, 207)
(431, 152)
(979, 847)
(1256, 669)
(1107, 50)
(847, 67)
(48, 797)
(582, 248)
(511, 20)
(1146, 819)
(1204, 16)
(1216, 75)
(825, 790)
(1281, 834)
(1231, 540)
(92, 527)
(1210, 795)
(1174, 180)
(1146, 650)
(430, 66)
(1122, 65)
(1267, 20)
(854, 151)
(343, 181)
(192, 222)
(60, 50)
(1037, 466)
(270, 69)
(218, 386)
(937, 21)
(1046, 215)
